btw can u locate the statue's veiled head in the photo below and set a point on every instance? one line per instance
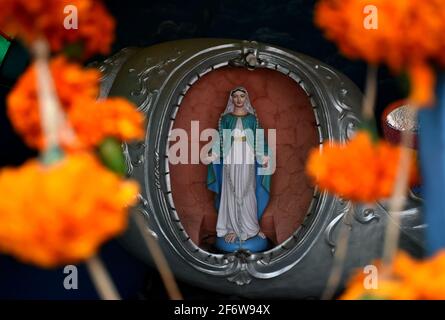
(239, 98)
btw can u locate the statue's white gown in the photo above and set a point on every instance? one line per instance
(238, 213)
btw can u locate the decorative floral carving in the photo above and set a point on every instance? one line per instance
(135, 158)
(151, 72)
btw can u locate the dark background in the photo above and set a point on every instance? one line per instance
(286, 23)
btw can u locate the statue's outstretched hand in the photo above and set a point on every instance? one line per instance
(265, 161)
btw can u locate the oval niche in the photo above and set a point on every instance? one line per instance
(281, 104)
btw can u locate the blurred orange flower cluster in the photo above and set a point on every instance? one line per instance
(62, 210)
(30, 20)
(411, 280)
(77, 89)
(113, 117)
(409, 35)
(360, 170)
(61, 213)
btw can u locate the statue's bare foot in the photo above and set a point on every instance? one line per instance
(262, 235)
(230, 237)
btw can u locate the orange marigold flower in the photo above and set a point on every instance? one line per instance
(359, 170)
(388, 289)
(423, 82)
(423, 23)
(428, 278)
(410, 280)
(71, 81)
(39, 224)
(114, 117)
(32, 19)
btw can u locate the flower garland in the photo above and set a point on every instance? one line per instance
(30, 20)
(413, 51)
(361, 171)
(77, 89)
(60, 214)
(60, 208)
(410, 280)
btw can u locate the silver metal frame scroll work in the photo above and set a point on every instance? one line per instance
(156, 79)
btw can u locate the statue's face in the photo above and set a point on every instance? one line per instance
(239, 98)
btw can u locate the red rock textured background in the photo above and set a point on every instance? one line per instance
(282, 105)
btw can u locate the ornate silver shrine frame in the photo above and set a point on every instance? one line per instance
(156, 79)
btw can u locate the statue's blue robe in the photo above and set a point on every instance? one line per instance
(214, 172)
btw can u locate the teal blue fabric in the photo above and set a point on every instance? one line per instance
(4, 46)
(228, 121)
(432, 163)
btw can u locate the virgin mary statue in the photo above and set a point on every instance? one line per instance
(242, 189)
